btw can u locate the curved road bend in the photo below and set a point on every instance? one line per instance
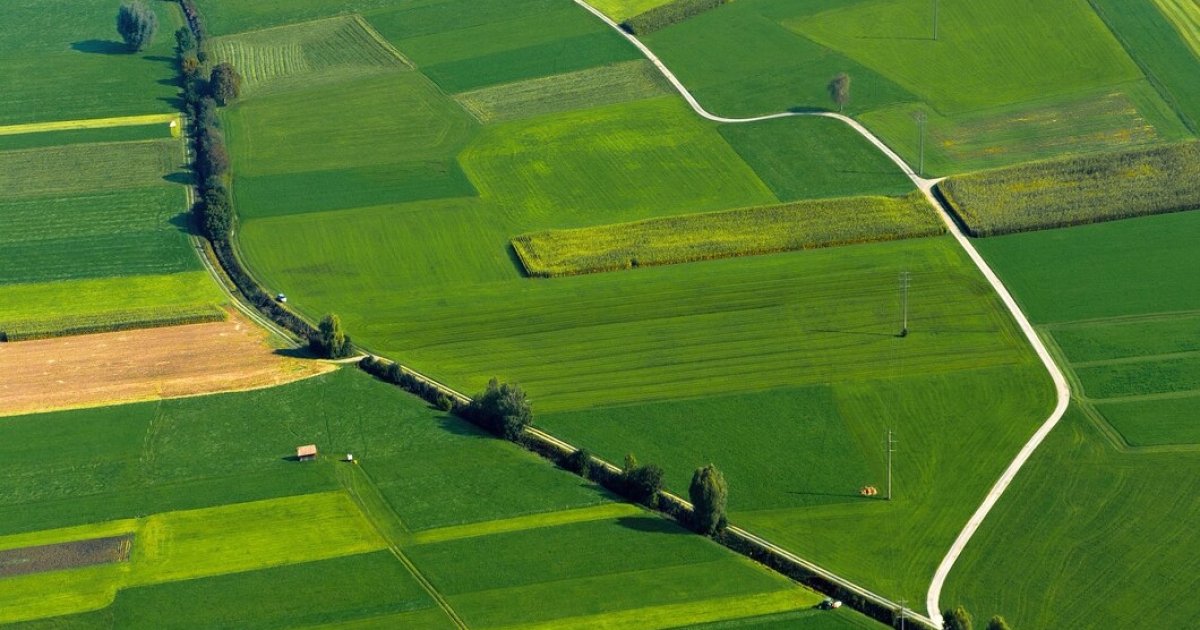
(932, 600)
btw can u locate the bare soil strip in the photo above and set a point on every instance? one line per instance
(69, 555)
(147, 364)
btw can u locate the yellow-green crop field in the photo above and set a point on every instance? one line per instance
(728, 233)
(1077, 190)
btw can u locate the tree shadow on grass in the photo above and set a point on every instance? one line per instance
(101, 47)
(183, 222)
(183, 178)
(650, 525)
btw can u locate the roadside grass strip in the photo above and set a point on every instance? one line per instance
(605, 85)
(1184, 15)
(533, 521)
(726, 234)
(1077, 190)
(337, 48)
(91, 123)
(678, 615)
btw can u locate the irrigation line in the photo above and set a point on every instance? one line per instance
(926, 186)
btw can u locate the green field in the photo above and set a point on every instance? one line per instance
(1076, 190)
(64, 60)
(1005, 82)
(603, 85)
(302, 55)
(618, 10)
(726, 234)
(206, 546)
(1087, 519)
(1185, 17)
(107, 244)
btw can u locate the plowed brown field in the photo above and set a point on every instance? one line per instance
(147, 364)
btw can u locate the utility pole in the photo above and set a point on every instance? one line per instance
(891, 448)
(921, 117)
(904, 282)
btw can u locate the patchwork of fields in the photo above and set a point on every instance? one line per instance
(1005, 81)
(1101, 516)
(401, 537)
(453, 177)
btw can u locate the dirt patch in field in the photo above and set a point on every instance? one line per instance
(148, 364)
(71, 555)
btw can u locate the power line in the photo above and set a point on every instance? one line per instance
(891, 448)
(905, 279)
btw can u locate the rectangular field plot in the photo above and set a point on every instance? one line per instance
(1184, 15)
(1123, 338)
(62, 556)
(735, 325)
(370, 141)
(87, 168)
(300, 55)
(622, 162)
(745, 232)
(1137, 378)
(605, 85)
(1156, 422)
(1077, 190)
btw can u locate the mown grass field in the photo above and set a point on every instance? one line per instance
(1100, 513)
(619, 10)
(1077, 190)
(726, 234)
(65, 61)
(305, 541)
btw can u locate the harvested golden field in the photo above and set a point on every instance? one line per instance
(146, 364)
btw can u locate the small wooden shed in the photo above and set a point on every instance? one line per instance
(307, 452)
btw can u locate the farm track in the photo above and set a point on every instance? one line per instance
(926, 187)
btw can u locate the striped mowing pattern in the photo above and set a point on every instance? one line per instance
(344, 44)
(1184, 15)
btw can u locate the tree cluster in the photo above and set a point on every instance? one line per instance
(668, 14)
(136, 24)
(330, 340)
(959, 619)
(641, 483)
(502, 408)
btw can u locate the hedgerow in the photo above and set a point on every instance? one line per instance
(744, 232)
(110, 323)
(1076, 191)
(663, 16)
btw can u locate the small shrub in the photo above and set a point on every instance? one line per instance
(581, 463)
(502, 408)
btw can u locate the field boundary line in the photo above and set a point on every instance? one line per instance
(926, 186)
(90, 123)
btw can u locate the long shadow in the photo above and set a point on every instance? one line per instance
(101, 47)
(898, 38)
(834, 495)
(183, 222)
(183, 178)
(174, 101)
(802, 109)
(651, 525)
(516, 260)
(296, 353)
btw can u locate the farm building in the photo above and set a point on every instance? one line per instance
(307, 452)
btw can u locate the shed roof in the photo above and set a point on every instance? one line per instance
(306, 450)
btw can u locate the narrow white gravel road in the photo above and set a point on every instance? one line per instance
(932, 599)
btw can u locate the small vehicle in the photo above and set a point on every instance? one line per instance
(830, 603)
(281, 298)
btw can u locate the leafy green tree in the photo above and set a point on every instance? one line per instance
(217, 212)
(225, 83)
(503, 408)
(631, 463)
(709, 494)
(643, 483)
(998, 623)
(185, 41)
(580, 462)
(331, 341)
(957, 619)
(839, 90)
(136, 24)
